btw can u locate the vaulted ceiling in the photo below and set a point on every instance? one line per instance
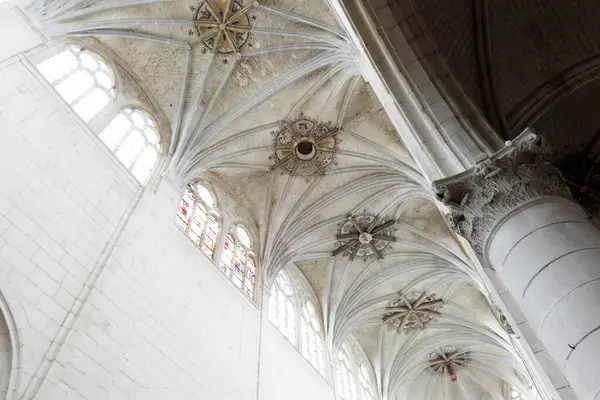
(242, 85)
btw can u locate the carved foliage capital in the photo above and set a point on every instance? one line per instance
(513, 176)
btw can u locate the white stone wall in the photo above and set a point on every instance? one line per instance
(164, 322)
(61, 199)
(161, 316)
(14, 26)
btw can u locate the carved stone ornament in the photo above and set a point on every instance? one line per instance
(503, 320)
(513, 176)
(223, 26)
(412, 312)
(448, 360)
(304, 147)
(364, 235)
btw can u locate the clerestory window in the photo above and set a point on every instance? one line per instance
(237, 260)
(282, 310)
(132, 136)
(82, 78)
(345, 381)
(312, 340)
(198, 217)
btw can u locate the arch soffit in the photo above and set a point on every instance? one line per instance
(423, 52)
(303, 287)
(549, 93)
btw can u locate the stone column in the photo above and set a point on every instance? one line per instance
(518, 215)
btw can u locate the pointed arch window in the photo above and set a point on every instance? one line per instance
(312, 341)
(237, 260)
(82, 79)
(198, 217)
(133, 137)
(282, 311)
(346, 384)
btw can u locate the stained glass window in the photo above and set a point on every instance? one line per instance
(312, 341)
(82, 78)
(199, 220)
(237, 260)
(282, 310)
(133, 138)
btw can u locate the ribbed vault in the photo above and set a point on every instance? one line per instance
(230, 94)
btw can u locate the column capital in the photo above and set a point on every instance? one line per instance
(518, 173)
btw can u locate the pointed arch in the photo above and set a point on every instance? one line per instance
(9, 353)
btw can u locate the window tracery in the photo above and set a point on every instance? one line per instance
(353, 378)
(133, 137)
(282, 309)
(198, 217)
(366, 385)
(82, 79)
(346, 384)
(312, 341)
(237, 260)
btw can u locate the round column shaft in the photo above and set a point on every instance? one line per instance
(547, 254)
(517, 213)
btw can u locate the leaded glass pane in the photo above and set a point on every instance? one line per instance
(82, 79)
(130, 144)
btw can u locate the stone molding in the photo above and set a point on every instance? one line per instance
(481, 196)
